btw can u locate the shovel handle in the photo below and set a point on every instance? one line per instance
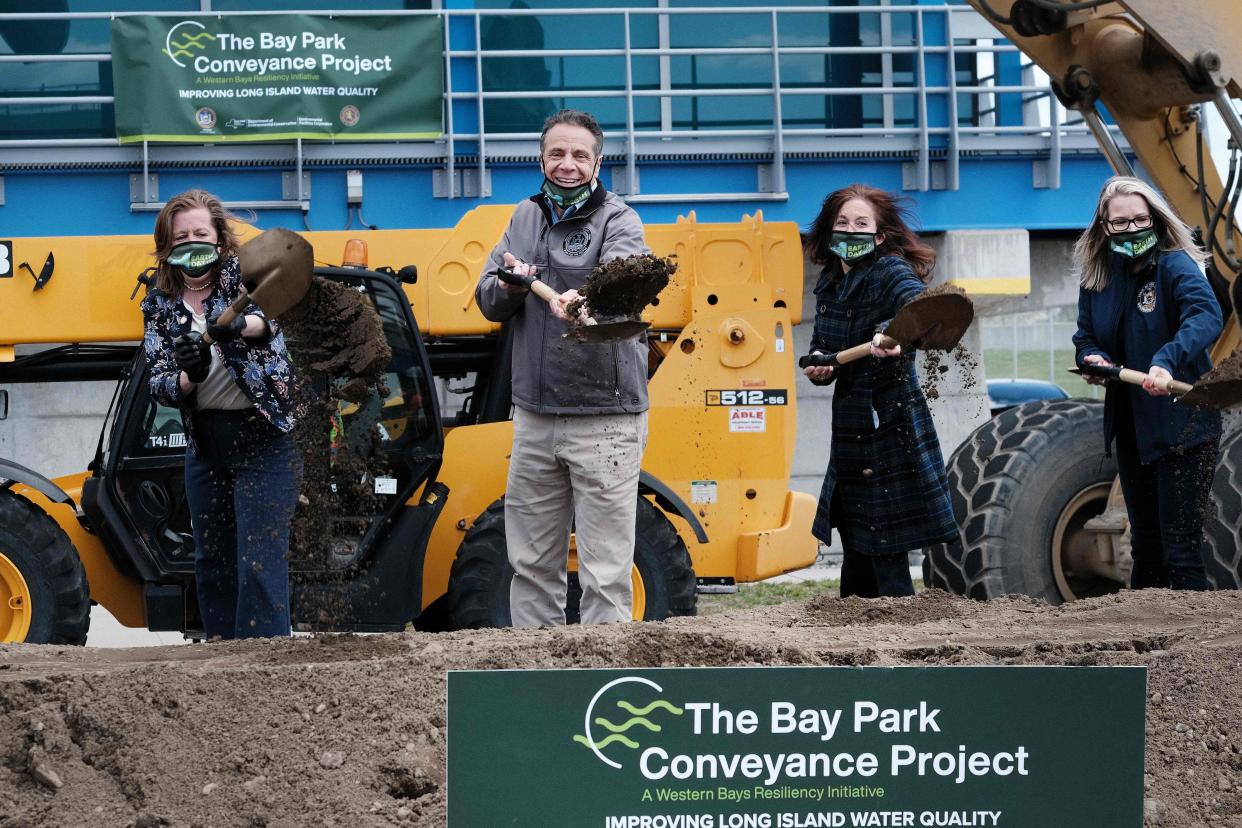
(842, 357)
(1172, 386)
(1129, 375)
(237, 308)
(540, 289)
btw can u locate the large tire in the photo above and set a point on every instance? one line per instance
(1023, 483)
(478, 592)
(1222, 553)
(39, 568)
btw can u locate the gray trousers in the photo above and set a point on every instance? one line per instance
(582, 469)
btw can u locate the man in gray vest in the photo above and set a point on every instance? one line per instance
(580, 410)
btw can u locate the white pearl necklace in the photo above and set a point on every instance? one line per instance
(196, 288)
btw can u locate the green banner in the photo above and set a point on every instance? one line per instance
(277, 77)
(797, 747)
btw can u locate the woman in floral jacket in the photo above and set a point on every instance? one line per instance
(885, 490)
(241, 468)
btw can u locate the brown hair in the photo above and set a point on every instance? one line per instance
(169, 279)
(891, 217)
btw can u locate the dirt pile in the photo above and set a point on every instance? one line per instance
(350, 731)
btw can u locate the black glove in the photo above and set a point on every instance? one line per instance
(193, 356)
(228, 332)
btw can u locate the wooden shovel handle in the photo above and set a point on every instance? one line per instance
(237, 308)
(540, 289)
(1170, 385)
(1133, 377)
(843, 357)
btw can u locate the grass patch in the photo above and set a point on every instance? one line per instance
(768, 593)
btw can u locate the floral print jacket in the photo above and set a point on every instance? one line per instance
(262, 370)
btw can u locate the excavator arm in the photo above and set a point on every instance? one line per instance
(1151, 66)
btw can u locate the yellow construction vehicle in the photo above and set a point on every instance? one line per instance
(715, 505)
(1038, 504)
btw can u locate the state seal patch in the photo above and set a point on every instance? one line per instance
(577, 242)
(1147, 298)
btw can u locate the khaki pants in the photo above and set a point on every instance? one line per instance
(583, 468)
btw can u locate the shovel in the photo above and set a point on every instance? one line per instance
(277, 267)
(1215, 389)
(933, 320)
(584, 328)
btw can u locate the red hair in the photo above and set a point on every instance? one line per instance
(891, 217)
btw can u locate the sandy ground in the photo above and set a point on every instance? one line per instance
(349, 730)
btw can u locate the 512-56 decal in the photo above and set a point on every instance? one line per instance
(749, 396)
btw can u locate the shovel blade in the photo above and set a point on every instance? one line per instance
(611, 331)
(1219, 388)
(936, 321)
(1220, 394)
(277, 267)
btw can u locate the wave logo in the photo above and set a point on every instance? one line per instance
(184, 38)
(622, 733)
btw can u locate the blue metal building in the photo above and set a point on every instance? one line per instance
(719, 107)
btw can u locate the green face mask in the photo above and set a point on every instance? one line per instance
(850, 247)
(194, 258)
(1133, 245)
(565, 197)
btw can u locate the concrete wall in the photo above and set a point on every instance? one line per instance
(53, 428)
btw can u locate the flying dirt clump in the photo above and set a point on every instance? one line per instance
(624, 287)
(336, 340)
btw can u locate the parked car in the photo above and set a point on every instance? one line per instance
(1006, 393)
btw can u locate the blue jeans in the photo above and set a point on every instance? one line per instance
(1165, 501)
(241, 481)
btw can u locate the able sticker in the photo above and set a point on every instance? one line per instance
(386, 485)
(702, 491)
(748, 419)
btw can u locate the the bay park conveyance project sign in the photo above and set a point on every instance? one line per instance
(797, 747)
(277, 77)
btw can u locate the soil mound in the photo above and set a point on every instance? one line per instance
(930, 605)
(350, 730)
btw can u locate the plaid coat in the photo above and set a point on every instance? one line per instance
(886, 469)
(262, 370)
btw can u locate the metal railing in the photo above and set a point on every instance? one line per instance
(936, 141)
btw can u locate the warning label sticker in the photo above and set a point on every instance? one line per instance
(702, 491)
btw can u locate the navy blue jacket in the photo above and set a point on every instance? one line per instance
(886, 469)
(1166, 315)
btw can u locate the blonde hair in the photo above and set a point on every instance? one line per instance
(1091, 251)
(169, 279)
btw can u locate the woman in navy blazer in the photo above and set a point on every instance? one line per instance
(1145, 303)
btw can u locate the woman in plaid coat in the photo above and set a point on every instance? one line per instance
(885, 491)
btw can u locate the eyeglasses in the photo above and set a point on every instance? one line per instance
(1119, 225)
